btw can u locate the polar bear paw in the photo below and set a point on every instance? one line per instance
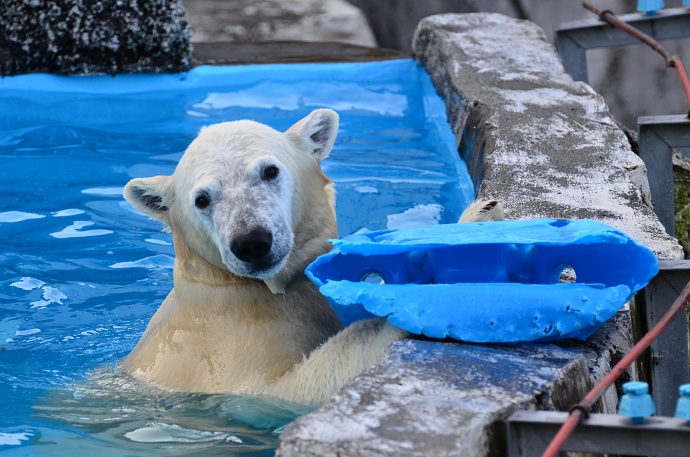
(483, 211)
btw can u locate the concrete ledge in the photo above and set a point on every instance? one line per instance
(546, 147)
(436, 399)
(231, 53)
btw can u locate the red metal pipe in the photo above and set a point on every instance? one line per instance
(680, 68)
(620, 368)
(608, 16)
(671, 60)
(563, 434)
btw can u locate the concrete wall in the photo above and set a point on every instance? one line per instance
(277, 20)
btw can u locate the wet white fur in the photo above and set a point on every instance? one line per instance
(482, 211)
(224, 327)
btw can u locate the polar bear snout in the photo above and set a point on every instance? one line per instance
(259, 251)
(253, 247)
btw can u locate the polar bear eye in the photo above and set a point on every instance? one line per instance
(202, 201)
(270, 173)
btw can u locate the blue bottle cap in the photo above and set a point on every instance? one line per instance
(649, 6)
(636, 388)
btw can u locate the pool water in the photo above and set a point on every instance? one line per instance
(83, 272)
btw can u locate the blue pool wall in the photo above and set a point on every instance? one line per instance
(294, 90)
(84, 271)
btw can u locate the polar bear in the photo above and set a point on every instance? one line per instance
(249, 208)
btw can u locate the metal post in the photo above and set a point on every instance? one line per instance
(670, 354)
(574, 56)
(657, 137)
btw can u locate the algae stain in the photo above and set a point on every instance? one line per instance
(681, 194)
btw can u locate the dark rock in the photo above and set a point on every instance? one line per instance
(394, 21)
(87, 37)
(681, 200)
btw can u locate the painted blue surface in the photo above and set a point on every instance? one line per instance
(683, 404)
(636, 403)
(82, 272)
(649, 7)
(487, 282)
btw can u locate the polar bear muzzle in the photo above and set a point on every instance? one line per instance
(253, 247)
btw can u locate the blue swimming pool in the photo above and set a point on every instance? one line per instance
(82, 271)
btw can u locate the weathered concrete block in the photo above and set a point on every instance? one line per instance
(542, 144)
(438, 399)
(87, 37)
(276, 20)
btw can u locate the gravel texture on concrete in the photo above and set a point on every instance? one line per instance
(94, 37)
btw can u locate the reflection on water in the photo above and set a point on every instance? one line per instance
(124, 417)
(82, 272)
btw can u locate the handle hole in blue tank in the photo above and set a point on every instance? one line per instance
(567, 274)
(373, 277)
(560, 223)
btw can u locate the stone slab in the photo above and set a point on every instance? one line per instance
(440, 399)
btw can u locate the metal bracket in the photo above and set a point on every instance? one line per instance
(671, 356)
(573, 39)
(530, 432)
(657, 137)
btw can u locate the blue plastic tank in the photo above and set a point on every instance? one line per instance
(487, 282)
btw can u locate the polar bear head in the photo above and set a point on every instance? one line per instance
(248, 199)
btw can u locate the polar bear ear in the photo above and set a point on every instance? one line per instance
(317, 131)
(149, 195)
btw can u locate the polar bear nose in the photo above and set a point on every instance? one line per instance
(252, 246)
